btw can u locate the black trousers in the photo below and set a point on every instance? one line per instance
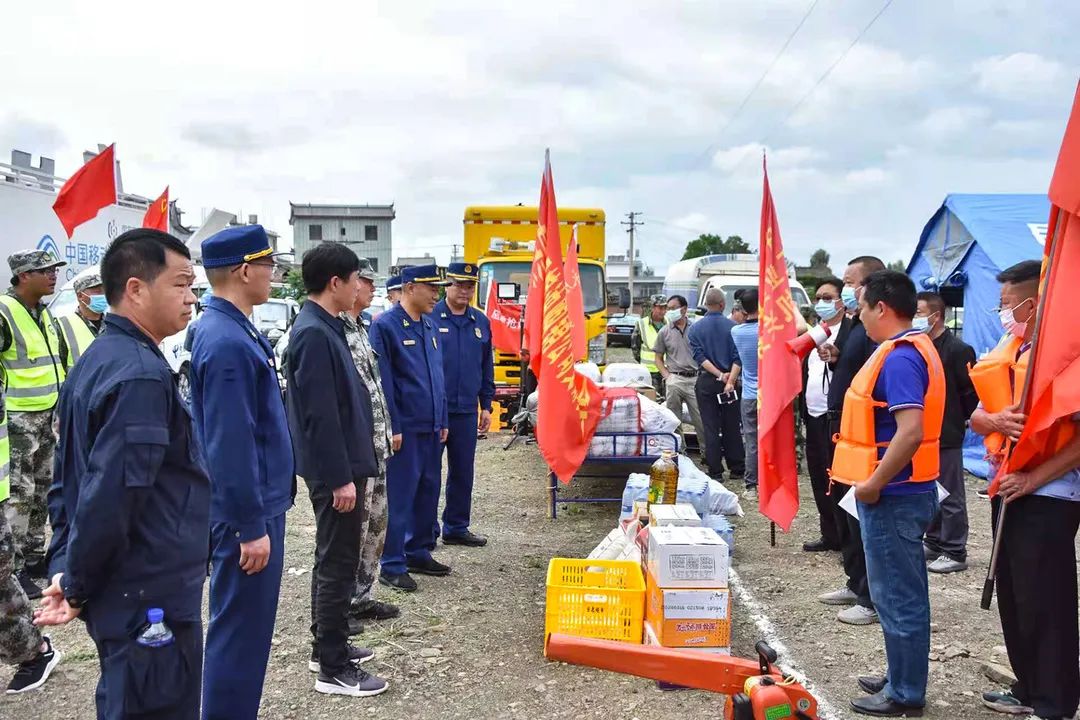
(851, 545)
(818, 452)
(723, 428)
(337, 556)
(1036, 586)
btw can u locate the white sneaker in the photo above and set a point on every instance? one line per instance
(838, 597)
(857, 615)
(945, 564)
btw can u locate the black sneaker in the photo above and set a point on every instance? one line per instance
(375, 610)
(818, 546)
(983, 492)
(31, 588)
(1005, 702)
(466, 538)
(355, 626)
(38, 569)
(33, 673)
(357, 656)
(403, 582)
(350, 681)
(430, 566)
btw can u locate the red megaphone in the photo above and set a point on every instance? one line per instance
(806, 342)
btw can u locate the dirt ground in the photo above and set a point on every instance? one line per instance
(470, 645)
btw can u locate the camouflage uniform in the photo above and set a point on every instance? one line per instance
(19, 639)
(375, 488)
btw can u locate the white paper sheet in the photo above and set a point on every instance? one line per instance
(848, 501)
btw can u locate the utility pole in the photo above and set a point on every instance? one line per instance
(453, 252)
(633, 223)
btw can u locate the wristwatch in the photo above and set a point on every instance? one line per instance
(75, 602)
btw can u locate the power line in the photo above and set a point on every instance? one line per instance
(761, 79)
(820, 80)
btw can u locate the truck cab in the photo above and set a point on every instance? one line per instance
(500, 241)
(729, 273)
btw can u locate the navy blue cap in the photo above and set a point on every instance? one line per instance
(426, 274)
(462, 271)
(235, 245)
(393, 282)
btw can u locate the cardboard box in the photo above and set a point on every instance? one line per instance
(679, 515)
(688, 618)
(646, 390)
(687, 557)
(651, 639)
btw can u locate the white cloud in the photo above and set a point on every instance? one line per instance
(1019, 76)
(948, 122)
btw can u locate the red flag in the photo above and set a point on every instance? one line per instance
(569, 404)
(87, 191)
(505, 321)
(1054, 374)
(574, 302)
(157, 215)
(779, 375)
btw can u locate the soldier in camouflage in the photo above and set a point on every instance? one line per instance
(364, 606)
(33, 372)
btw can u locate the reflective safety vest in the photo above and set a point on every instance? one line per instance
(856, 454)
(77, 337)
(998, 378)
(32, 369)
(648, 335)
(5, 454)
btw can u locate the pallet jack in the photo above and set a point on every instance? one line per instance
(755, 690)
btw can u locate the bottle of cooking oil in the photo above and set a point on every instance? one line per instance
(664, 479)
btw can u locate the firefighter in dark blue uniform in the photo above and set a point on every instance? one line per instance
(130, 499)
(469, 370)
(411, 365)
(240, 422)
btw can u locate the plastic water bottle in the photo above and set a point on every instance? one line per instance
(157, 633)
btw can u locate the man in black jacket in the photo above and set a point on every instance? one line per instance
(852, 349)
(946, 538)
(332, 426)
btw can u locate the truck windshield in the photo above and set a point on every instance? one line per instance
(797, 294)
(271, 314)
(592, 282)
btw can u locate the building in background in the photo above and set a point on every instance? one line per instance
(646, 282)
(364, 228)
(413, 260)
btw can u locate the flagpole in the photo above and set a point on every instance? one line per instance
(991, 572)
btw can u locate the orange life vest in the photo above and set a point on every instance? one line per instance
(856, 454)
(998, 378)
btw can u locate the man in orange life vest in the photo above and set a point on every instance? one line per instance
(888, 450)
(1036, 572)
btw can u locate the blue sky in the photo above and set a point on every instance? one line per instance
(435, 106)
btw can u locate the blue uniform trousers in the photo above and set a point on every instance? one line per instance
(242, 612)
(141, 683)
(460, 460)
(412, 488)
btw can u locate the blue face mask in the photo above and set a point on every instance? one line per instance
(826, 310)
(848, 296)
(98, 304)
(922, 324)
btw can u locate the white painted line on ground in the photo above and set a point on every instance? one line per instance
(787, 664)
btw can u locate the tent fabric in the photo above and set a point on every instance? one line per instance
(979, 236)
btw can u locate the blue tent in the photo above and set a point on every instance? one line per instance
(968, 241)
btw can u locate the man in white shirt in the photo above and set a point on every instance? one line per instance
(816, 376)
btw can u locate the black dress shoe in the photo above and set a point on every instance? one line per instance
(880, 706)
(466, 538)
(818, 546)
(375, 610)
(431, 566)
(403, 582)
(33, 592)
(871, 684)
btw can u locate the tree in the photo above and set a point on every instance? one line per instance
(715, 245)
(294, 286)
(897, 265)
(820, 258)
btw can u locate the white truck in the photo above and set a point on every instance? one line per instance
(694, 277)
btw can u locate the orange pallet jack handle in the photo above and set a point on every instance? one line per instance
(717, 673)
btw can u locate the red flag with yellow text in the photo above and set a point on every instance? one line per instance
(90, 189)
(157, 215)
(574, 302)
(505, 321)
(779, 375)
(1054, 373)
(568, 406)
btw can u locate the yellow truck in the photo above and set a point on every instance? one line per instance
(500, 241)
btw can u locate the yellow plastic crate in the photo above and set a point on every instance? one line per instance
(602, 599)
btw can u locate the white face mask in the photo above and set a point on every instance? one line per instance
(673, 316)
(1008, 320)
(921, 324)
